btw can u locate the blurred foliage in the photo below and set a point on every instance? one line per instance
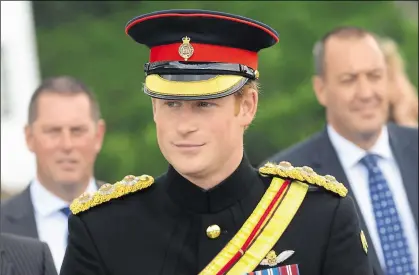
(87, 40)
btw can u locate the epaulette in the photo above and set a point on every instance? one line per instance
(107, 192)
(305, 174)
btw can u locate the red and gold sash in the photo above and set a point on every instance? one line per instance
(261, 231)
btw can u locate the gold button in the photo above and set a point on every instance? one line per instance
(213, 231)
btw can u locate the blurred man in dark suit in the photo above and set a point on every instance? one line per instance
(65, 132)
(26, 256)
(375, 160)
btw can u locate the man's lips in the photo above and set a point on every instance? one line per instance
(66, 161)
(189, 145)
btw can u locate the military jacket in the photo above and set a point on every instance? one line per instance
(167, 228)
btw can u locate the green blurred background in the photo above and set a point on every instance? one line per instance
(87, 40)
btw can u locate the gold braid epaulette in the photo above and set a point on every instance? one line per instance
(305, 174)
(107, 192)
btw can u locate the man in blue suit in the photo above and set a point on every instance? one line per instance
(377, 161)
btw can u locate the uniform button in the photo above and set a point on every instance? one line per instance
(213, 231)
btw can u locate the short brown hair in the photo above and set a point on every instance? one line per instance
(319, 50)
(253, 84)
(64, 85)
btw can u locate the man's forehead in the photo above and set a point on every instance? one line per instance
(64, 120)
(48, 95)
(354, 45)
(354, 55)
(58, 102)
(63, 110)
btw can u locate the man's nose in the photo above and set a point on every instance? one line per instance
(365, 88)
(186, 121)
(66, 140)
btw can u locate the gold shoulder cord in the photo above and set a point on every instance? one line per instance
(107, 192)
(305, 174)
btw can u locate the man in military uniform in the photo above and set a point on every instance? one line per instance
(212, 212)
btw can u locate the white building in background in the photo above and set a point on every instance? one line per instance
(19, 79)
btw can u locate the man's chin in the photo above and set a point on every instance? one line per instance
(191, 169)
(68, 181)
(370, 129)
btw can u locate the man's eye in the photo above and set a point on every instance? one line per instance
(53, 130)
(205, 104)
(78, 131)
(348, 80)
(375, 77)
(173, 103)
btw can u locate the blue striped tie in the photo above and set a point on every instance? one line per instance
(398, 258)
(66, 211)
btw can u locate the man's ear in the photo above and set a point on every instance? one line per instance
(248, 106)
(100, 133)
(29, 137)
(319, 89)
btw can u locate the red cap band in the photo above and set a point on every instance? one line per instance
(205, 53)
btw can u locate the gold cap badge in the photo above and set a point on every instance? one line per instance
(186, 50)
(364, 242)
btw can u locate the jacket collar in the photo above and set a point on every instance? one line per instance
(228, 192)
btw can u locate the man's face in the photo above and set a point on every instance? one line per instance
(64, 138)
(199, 137)
(353, 88)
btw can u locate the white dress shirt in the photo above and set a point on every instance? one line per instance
(51, 223)
(349, 156)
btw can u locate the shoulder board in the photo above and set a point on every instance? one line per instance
(305, 174)
(107, 192)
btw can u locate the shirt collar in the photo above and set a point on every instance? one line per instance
(46, 203)
(350, 154)
(382, 146)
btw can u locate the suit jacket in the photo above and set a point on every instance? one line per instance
(21, 255)
(318, 153)
(17, 214)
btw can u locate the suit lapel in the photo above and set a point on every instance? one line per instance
(406, 155)
(325, 161)
(21, 217)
